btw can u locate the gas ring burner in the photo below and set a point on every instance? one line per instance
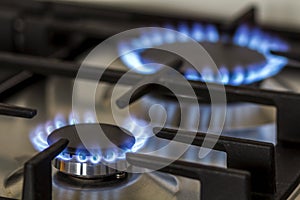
(93, 152)
(242, 59)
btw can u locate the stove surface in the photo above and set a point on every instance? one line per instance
(46, 56)
(54, 95)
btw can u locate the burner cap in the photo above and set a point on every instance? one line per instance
(95, 157)
(228, 56)
(112, 137)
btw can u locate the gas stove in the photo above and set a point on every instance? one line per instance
(161, 145)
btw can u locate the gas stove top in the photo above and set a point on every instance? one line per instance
(167, 146)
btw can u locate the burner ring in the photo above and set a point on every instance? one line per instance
(89, 170)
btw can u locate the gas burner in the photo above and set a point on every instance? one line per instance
(92, 158)
(223, 54)
(243, 60)
(102, 158)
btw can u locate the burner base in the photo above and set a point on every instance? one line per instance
(89, 170)
(105, 183)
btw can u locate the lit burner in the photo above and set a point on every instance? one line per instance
(101, 159)
(246, 41)
(105, 159)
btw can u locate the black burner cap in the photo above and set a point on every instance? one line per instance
(94, 139)
(227, 55)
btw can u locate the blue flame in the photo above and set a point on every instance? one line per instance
(73, 118)
(65, 156)
(81, 157)
(238, 76)
(110, 156)
(212, 33)
(191, 74)
(39, 135)
(96, 158)
(224, 75)
(245, 36)
(139, 130)
(198, 32)
(38, 139)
